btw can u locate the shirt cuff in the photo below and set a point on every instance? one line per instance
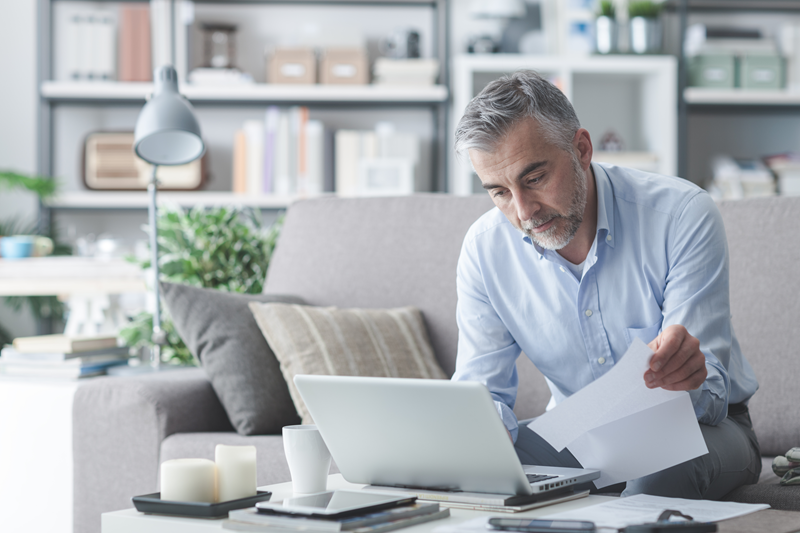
(509, 419)
(711, 400)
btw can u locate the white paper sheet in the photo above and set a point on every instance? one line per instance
(619, 426)
(642, 443)
(644, 508)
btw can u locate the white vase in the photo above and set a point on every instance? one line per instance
(645, 35)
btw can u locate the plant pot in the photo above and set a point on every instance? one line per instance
(645, 35)
(605, 35)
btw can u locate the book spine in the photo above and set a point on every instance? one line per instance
(239, 184)
(270, 134)
(254, 133)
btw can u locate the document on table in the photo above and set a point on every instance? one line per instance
(622, 428)
(642, 508)
(623, 512)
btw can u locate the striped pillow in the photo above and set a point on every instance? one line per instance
(346, 342)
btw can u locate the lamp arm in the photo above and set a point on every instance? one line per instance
(159, 338)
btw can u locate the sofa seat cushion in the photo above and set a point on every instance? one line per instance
(346, 342)
(221, 333)
(270, 458)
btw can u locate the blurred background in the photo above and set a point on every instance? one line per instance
(305, 98)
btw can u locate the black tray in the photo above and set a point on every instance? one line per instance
(153, 504)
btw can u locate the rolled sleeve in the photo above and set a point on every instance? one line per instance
(697, 297)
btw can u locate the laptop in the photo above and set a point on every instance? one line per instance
(424, 434)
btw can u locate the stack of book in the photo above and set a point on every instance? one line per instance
(369, 522)
(61, 356)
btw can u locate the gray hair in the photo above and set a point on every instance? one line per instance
(506, 101)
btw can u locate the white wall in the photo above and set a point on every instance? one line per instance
(18, 101)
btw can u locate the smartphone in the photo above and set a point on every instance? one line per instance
(529, 525)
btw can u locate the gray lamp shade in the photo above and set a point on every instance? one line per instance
(167, 132)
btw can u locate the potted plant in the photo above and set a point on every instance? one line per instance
(41, 307)
(223, 248)
(605, 28)
(645, 26)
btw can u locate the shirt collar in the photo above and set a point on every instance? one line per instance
(605, 211)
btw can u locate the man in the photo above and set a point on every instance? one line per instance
(580, 258)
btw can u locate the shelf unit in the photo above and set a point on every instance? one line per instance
(742, 123)
(118, 103)
(138, 200)
(633, 95)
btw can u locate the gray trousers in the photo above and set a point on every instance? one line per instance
(733, 460)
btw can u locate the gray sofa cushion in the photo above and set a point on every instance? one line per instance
(222, 334)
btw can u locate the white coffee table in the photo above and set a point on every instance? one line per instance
(132, 521)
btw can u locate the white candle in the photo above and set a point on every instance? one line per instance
(236, 472)
(188, 480)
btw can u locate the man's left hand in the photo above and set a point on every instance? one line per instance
(678, 363)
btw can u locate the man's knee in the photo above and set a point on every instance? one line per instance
(686, 480)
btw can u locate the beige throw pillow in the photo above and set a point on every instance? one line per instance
(346, 342)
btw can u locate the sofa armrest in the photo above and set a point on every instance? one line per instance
(118, 425)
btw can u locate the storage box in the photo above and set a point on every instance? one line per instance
(292, 65)
(761, 71)
(347, 66)
(714, 70)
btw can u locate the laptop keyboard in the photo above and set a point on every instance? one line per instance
(535, 478)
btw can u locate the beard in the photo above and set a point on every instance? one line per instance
(565, 225)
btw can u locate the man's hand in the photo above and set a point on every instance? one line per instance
(678, 363)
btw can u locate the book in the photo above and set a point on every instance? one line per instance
(271, 120)
(254, 152)
(133, 50)
(314, 182)
(282, 182)
(482, 499)
(572, 495)
(9, 354)
(239, 184)
(60, 343)
(381, 527)
(58, 371)
(298, 523)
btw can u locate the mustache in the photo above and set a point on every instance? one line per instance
(533, 222)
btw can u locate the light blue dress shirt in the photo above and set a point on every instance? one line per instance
(660, 257)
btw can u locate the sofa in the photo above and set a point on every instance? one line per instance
(393, 252)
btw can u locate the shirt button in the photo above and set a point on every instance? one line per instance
(562, 269)
(588, 312)
(608, 238)
(602, 360)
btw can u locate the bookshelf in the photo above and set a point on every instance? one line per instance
(746, 124)
(69, 110)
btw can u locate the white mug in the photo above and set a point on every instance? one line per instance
(308, 457)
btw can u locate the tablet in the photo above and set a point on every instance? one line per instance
(334, 503)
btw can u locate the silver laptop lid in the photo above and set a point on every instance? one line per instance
(435, 434)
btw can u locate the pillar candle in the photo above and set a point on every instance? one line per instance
(236, 472)
(188, 480)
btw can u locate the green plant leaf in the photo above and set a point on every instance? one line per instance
(224, 248)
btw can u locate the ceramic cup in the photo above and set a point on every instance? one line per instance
(16, 246)
(308, 457)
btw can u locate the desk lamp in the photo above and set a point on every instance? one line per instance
(167, 133)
